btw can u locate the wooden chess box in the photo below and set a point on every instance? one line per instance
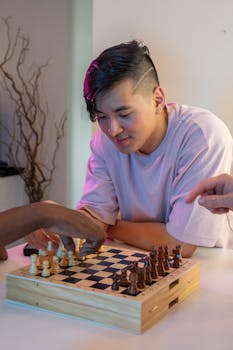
(81, 292)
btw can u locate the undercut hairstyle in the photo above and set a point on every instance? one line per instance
(118, 63)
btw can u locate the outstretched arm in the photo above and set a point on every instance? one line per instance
(216, 193)
(146, 234)
(19, 222)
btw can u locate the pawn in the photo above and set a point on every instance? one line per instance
(42, 257)
(33, 268)
(70, 258)
(133, 280)
(45, 272)
(55, 265)
(123, 279)
(115, 284)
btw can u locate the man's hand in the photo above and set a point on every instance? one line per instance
(216, 194)
(90, 247)
(39, 239)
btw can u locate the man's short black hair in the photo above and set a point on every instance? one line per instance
(124, 61)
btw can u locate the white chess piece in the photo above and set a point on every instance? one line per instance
(60, 250)
(70, 258)
(45, 272)
(55, 266)
(63, 262)
(33, 268)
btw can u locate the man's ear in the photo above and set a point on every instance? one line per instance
(159, 99)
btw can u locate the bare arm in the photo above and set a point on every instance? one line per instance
(19, 222)
(146, 234)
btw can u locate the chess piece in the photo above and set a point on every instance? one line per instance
(166, 259)
(55, 265)
(141, 277)
(70, 258)
(45, 272)
(115, 284)
(50, 252)
(60, 250)
(153, 262)
(133, 280)
(176, 258)
(123, 278)
(33, 268)
(64, 261)
(160, 267)
(147, 265)
(42, 257)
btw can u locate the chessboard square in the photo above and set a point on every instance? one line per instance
(100, 286)
(125, 262)
(108, 281)
(71, 280)
(101, 257)
(94, 278)
(84, 264)
(76, 268)
(81, 275)
(93, 261)
(120, 256)
(107, 254)
(125, 292)
(105, 263)
(57, 277)
(114, 251)
(103, 274)
(98, 267)
(118, 266)
(84, 284)
(89, 271)
(132, 258)
(139, 255)
(67, 273)
(111, 269)
(112, 260)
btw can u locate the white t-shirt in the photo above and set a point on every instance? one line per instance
(153, 187)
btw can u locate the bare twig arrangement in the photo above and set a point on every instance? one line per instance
(27, 137)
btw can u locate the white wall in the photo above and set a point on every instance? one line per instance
(191, 42)
(47, 23)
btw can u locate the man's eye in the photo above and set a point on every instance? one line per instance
(101, 117)
(124, 115)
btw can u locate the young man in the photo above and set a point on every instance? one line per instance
(18, 222)
(148, 154)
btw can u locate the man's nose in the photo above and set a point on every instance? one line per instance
(114, 128)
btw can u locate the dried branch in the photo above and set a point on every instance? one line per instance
(26, 132)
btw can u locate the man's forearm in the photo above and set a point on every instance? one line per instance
(146, 234)
(18, 222)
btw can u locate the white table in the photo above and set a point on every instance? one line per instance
(203, 321)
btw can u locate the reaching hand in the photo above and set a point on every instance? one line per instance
(39, 239)
(216, 194)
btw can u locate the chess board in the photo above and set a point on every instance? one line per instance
(84, 290)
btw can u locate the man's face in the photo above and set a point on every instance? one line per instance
(129, 119)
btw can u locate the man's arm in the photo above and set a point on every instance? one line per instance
(18, 222)
(146, 234)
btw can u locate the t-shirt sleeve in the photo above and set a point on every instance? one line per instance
(99, 196)
(202, 156)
